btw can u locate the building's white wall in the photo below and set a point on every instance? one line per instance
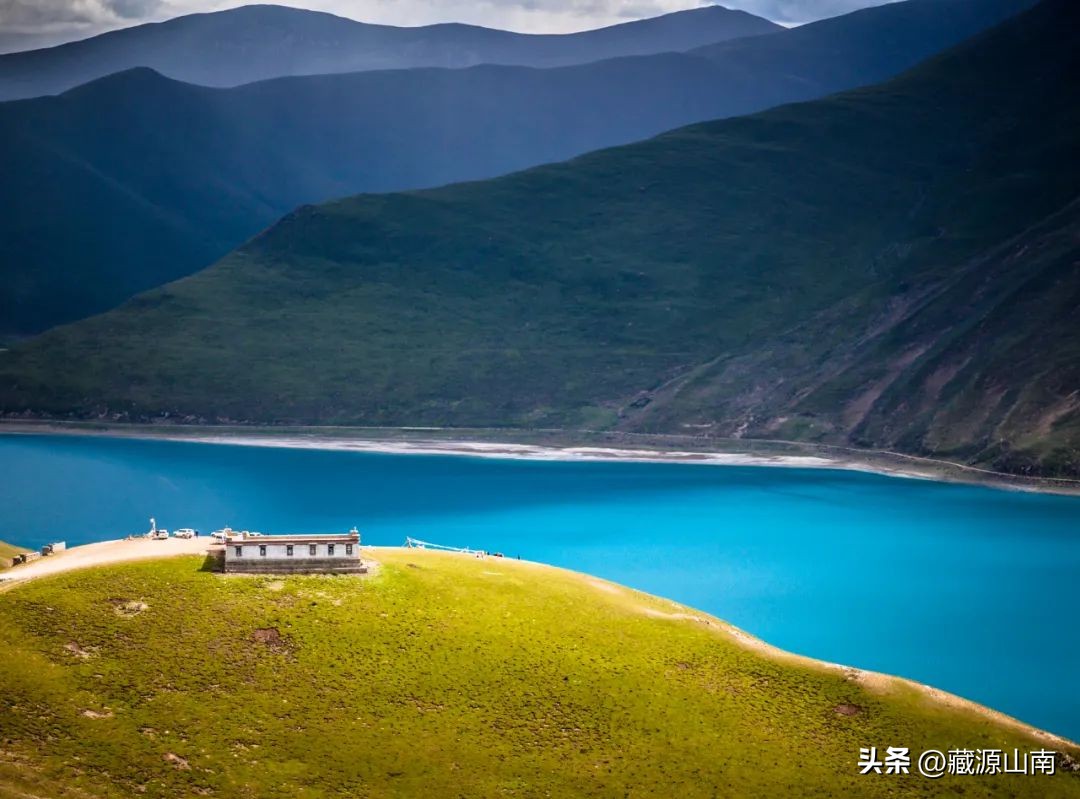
(300, 551)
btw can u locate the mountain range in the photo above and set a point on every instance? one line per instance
(892, 267)
(257, 42)
(136, 179)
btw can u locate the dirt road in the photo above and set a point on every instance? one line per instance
(104, 553)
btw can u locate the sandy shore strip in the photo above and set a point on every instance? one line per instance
(477, 449)
(556, 445)
(481, 449)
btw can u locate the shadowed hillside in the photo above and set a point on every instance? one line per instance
(876, 43)
(250, 43)
(135, 180)
(869, 268)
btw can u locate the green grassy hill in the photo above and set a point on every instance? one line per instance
(440, 675)
(891, 267)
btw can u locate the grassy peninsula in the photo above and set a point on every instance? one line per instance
(438, 675)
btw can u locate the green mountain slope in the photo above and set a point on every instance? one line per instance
(135, 180)
(794, 273)
(441, 675)
(987, 358)
(979, 364)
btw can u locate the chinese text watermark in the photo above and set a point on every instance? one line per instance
(934, 763)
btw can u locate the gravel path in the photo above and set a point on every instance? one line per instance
(104, 553)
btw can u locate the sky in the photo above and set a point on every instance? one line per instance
(40, 22)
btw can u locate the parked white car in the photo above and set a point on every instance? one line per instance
(184, 532)
(158, 534)
(223, 535)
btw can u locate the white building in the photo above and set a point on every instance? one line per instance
(295, 554)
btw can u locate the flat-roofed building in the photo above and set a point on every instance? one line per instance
(295, 554)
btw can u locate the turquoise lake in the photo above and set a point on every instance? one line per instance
(972, 590)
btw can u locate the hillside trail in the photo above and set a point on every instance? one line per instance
(101, 554)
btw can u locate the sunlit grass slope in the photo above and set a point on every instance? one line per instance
(438, 676)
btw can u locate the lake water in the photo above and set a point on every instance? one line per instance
(970, 589)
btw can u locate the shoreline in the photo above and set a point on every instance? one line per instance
(120, 551)
(565, 446)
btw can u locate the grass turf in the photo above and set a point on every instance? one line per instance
(437, 676)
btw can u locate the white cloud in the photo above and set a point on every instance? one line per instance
(800, 11)
(533, 16)
(34, 16)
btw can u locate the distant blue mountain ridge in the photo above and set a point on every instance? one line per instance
(136, 179)
(256, 42)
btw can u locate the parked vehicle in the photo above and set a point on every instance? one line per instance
(223, 534)
(184, 532)
(154, 533)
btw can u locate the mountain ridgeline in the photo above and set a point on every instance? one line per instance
(251, 43)
(891, 267)
(136, 179)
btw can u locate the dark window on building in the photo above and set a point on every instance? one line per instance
(348, 549)
(288, 550)
(311, 550)
(262, 550)
(239, 551)
(329, 549)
